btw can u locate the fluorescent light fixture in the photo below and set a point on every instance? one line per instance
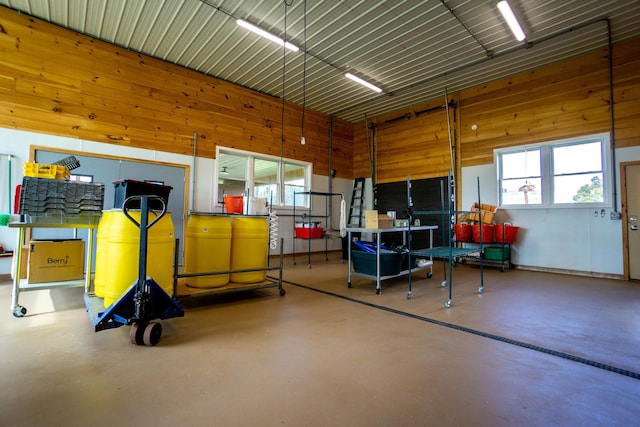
(511, 19)
(267, 35)
(363, 83)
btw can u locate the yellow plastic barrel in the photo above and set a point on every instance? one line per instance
(101, 275)
(123, 249)
(249, 248)
(207, 248)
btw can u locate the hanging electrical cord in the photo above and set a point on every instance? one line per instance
(273, 218)
(304, 73)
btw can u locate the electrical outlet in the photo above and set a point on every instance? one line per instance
(616, 215)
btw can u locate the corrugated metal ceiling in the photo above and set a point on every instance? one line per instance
(414, 50)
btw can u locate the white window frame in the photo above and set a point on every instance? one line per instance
(547, 173)
(249, 174)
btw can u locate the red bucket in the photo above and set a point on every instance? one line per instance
(462, 232)
(233, 204)
(487, 233)
(506, 233)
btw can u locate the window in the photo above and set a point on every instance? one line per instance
(564, 173)
(243, 172)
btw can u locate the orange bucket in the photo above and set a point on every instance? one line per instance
(233, 204)
(462, 232)
(506, 233)
(487, 233)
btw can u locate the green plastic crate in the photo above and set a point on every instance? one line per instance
(365, 262)
(496, 253)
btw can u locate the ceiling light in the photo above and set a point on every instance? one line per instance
(511, 19)
(224, 171)
(363, 83)
(267, 35)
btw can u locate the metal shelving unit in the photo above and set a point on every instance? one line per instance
(406, 236)
(307, 218)
(449, 252)
(89, 222)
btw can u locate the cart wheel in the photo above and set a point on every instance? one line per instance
(136, 334)
(480, 290)
(377, 291)
(447, 303)
(443, 283)
(408, 295)
(19, 311)
(309, 266)
(152, 334)
(429, 275)
(282, 292)
(501, 269)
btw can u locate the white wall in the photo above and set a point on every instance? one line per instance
(18, 143)
(565, 239)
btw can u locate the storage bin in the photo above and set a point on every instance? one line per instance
(43, 170)
(506, 233)
(129, 187)
(308, 233)
(487, 233)
(233, 204)
(496, 253)
(46, 197)
(486, 214)
(365, 262)
(462, 232)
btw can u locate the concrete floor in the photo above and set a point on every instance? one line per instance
(535, 349)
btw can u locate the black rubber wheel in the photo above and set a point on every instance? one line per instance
(136, 334)
(282, 292)
(152, 334)
(429, 275)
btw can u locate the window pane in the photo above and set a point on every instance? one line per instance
(522, 191)
(231, 175)
(521, 164)
(266, 180)
(570, 159)
(582, 188)
(294, 180)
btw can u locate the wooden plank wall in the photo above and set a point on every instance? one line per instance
(562, 100)
(59, 82)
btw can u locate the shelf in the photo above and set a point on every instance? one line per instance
(22, 285)
(306, 218)
(378, 232)
(26, 286)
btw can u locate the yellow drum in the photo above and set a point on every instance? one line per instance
(102, 257)
(249, 248)
(207, 248)
(123, 251)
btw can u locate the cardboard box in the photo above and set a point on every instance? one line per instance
(55, 260)
(487, 212)
(373, 219)
(24, 262)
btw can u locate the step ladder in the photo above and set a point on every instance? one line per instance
(356, 209)
(356, 213)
